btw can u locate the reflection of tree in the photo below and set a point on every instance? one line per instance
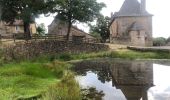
(133, 78)
(92, 94)
(102, 69)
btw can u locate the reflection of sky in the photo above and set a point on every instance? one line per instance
(161, 91)
(110, 92)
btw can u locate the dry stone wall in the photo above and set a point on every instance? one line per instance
(32, 49)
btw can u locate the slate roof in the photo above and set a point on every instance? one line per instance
(136, 27)
(130, 8)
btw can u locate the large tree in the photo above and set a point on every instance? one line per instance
(77, 11)
(25, 10)
(101, 27)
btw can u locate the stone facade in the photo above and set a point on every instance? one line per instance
(134, 78)
(34, 49)
(16, 27)
(59, 27)
(132, 25)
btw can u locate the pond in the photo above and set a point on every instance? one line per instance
(111, 79)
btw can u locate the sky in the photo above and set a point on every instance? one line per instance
(159, 8)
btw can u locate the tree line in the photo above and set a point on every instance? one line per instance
(71, 11)
(161, 41)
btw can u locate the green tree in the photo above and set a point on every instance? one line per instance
(159, 41)
(77, 11)
(41, 29)
(25, 10)
(168, 40)
(101, 27)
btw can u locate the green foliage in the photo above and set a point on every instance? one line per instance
(160, 41)
(41, 29)
(96, 35)
(22, 9)
(101, 27)
(77, 11)
(92, 94)
(25, 10)
(168, 40)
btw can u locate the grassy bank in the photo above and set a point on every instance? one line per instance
(124, 54)
(49, 77)
(30, 79)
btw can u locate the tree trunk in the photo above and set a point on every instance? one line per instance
(69, 19)
(69, 29)
(27, 31)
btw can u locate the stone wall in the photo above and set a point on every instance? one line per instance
(120, 27)
(32, 49)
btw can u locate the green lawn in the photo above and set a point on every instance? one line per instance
(24, 79)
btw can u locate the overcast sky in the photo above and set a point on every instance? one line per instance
(159, 8)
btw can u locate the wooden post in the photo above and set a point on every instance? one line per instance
(14, 37)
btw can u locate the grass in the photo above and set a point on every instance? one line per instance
(124, 54)
(66, 89)
(48, 75)
(28, 79)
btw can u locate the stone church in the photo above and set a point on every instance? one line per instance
(132, 24)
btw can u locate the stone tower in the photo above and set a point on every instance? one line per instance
(132, 24)
(143, 5)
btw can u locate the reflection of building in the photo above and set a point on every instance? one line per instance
(133, 78)
(16, 27)
(132, 25)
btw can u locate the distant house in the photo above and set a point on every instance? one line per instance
(16, 27)
(59, 27)
(132, 25)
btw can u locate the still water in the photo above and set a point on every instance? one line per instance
(110, 79)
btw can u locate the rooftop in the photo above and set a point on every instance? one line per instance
(131, 8)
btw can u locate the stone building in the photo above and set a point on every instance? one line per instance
(132, 24)
(59, 27)
(133, 78)
(16, 27)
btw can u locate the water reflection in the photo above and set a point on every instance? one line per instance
(134, 78)
(119, 80)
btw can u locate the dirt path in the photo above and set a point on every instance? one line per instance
(116, 46)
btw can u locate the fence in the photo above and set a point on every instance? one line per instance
(76, 39)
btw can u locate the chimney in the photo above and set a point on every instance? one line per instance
(143, 5)
(111, 14)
